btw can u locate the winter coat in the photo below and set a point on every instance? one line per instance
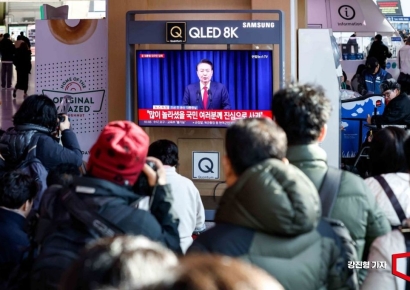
(271, 218)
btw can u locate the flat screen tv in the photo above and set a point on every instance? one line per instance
(202, 88)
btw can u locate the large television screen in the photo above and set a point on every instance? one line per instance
(196, 88)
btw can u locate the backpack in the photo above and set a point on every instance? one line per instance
(82, 225)
(31, 165)
(328, 193)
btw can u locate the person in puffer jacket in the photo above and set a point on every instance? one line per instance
(269, 214)
(303, 111)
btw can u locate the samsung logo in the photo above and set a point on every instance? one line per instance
(258, 24)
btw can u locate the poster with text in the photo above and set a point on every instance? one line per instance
(71, 69)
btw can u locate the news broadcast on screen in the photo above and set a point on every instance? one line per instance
(198, 88)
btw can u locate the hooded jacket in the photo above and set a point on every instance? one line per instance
(271, 218)
(355, 204)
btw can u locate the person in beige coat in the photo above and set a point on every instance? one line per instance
(382, 250)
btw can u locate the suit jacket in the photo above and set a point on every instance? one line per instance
(218, 97)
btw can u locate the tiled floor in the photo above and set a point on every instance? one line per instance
(9, 105)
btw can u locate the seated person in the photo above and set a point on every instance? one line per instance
(206, 94)
(397, 110)
(372, 77)
(355, 80)
(345, 84)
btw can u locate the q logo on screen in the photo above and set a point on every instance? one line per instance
(176, 32)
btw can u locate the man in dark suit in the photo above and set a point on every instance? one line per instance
(206, 95)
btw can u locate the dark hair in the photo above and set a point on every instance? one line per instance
(204, 60)
(21, 33)
(6, 35)
(62, 174)
(406, 148)
(387, 152)
(16, 188)
(378, 37)
(19, 37)
(251, 141)
(344, 75)
(302, 111)
(122, 262)
(389, 84)
(204, 272)
(360, 69)
(164, 150)
(23, 46)
(39, 110)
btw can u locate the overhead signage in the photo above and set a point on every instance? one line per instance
(398, 19)
(346, 15)
(205, 165)
(206, 32)
(390, 7)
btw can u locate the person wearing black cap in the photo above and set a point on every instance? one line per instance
(379, 51)
(372, 77)
(397, 110)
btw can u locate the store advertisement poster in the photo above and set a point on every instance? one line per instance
(71, 69)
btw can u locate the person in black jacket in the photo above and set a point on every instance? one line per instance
(117, 160)
(25, 39)
(7, 52)
(379, 51)
(397, 110)
(38, 115)
(22, 61)
(17, 192)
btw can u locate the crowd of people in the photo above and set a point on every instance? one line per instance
(17, 52)
(372, 79)
(285, 221)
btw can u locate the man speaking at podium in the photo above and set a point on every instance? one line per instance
(206, 95)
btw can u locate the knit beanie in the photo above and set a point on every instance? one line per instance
(119, 153)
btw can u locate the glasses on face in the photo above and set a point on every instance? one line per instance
(386, 94)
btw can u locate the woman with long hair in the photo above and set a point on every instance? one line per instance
(22, 61)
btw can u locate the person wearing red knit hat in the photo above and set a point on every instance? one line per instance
(116, 161)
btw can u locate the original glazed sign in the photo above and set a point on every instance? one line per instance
(73, 73)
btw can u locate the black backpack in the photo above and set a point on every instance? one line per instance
(89, 226)
(30, 165)
(328, 193)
